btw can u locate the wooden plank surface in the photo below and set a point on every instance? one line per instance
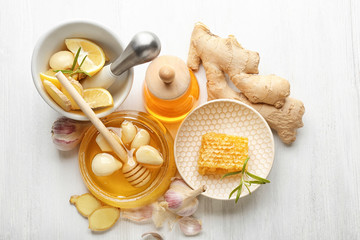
(314, 191)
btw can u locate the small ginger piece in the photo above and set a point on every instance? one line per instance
(85, 204)
(58, 96)
(103, 218)
(267, 94)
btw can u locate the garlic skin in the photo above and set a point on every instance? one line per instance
(149, 155)
(61, 60)
(181, 199)
(104, 164)
(138, 215)
(159, 214)
(67, 133)
(190, 226)
(128, 132)
(142, 138)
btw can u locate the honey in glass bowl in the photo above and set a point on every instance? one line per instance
(114, 189)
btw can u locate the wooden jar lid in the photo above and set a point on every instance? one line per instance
(167, 77)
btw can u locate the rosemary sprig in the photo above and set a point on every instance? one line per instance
(78, 70)
(243, 182)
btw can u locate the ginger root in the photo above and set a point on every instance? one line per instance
(267, 94)
(85, 203)
(100, 217)
(103, 218)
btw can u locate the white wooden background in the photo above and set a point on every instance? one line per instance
(314, 191)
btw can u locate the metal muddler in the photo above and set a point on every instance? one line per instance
(144, 47)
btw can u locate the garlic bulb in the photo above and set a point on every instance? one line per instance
(67, 133)
(128, 132)
(61, 60)
(142, 138)
(149, 155)
(104, 164)
(190, 226)
(181, 199)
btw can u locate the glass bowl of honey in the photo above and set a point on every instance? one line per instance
(114, 189)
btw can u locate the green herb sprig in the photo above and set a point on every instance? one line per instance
(78, 70)
(243, 182)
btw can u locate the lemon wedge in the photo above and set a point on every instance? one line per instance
(57, 95)
(98, 97)
(78, 88)
(95, 59)
(50, 76)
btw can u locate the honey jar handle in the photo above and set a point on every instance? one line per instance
(85, 108)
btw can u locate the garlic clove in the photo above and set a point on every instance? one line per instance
(67, 133)
(189, 208)
(190, 226)
(174, 199)
(128, 132)
(103, 144)
(142, 138)
(181, 199)
(104, 164)
(151, 236)
(61, 60)
(149, 155)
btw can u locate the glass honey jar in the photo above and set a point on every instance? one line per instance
(171, 90)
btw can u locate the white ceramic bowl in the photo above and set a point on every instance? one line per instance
(229, 117)
(53, 41)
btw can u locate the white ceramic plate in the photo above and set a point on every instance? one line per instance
(229, 117)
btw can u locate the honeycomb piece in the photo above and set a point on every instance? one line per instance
(222, 153)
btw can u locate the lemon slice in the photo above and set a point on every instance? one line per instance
(78, 88)
(95, 59)
(98, 97)
(50, 76)
(57, 95)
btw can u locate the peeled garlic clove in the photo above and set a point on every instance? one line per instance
(61, 60)
(142, 138)
(190, 226)
(103, 144)
(67, 133)
(104, 164)
(128, 132)
(148, 155)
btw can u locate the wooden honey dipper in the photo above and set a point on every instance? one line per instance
(135, 174)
